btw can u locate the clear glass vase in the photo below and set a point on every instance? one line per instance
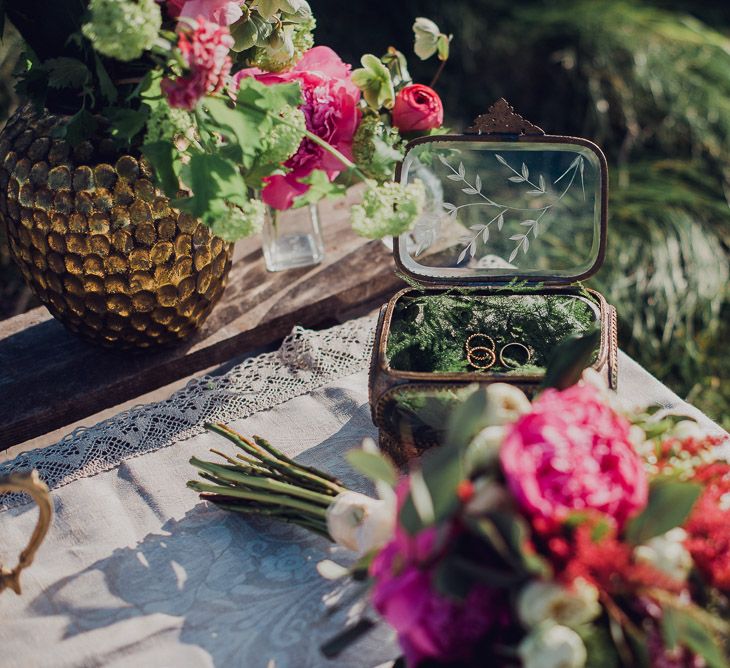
(292, 239)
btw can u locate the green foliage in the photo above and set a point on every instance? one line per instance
(428, 332)
(66, 73)
(572, 355)
(670, 503)
(374, 465)
(692, 628)
(320, 187)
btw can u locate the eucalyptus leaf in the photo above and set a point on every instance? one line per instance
(681, 627)
(375, 466)
(572, 355)
(670, 503)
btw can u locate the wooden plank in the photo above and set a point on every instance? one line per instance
(50, 378)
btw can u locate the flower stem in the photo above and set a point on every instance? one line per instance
(271, 500)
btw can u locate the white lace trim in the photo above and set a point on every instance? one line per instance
(306, 360)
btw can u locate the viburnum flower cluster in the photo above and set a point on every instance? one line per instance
(204, 48)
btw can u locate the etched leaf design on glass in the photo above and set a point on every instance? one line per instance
(537, 188)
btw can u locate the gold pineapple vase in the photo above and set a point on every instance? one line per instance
(98, 244)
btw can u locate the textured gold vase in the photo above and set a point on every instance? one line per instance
(98, 244)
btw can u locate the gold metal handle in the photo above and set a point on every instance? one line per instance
(31, 484)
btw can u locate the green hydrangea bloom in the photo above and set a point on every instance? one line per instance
(123, 29)
(388, 210)
(240, 221)
(376, 148)
(283, 141)
(166, 123)
(286, 47)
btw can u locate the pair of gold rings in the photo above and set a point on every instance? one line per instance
(481, 352)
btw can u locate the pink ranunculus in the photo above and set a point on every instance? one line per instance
(204, 49)
(331, 111)
(222, 12)
(417, 108)
(428, 624)
(571, 453)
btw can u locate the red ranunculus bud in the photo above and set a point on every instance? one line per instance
(418, 108)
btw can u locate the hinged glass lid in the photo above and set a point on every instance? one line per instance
(513, 203)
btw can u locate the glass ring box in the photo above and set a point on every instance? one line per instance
(514, 220)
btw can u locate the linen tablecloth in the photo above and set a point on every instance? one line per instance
(136, 570)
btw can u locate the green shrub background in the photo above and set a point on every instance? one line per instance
(650, 82)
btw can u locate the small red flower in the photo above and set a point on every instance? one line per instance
(417, 108)
(465, 491)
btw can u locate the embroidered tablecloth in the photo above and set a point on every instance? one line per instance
(136, 570)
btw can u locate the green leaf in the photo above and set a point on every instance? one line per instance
(66, 73)
(245, 33)
(320, 187)
(670, 503)
(239, 125)
(160, 156)
(106, 85)
(82, 125)
(374, 466)
(467, 419)
(682, 627)
(214, 182)
(572, 355)
(126, 123)
(441, 471)
(442, 47)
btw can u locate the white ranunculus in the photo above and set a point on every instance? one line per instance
(361, 523)
(540, 602)
(667, 553)
(483, 451)
(505, 403)
(553, 647)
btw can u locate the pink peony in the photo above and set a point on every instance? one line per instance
(222, 12)
(572, 452)
(429, 625)
(205, 51)
(331, 111)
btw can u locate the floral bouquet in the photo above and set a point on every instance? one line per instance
(231, 103)
(554, 534)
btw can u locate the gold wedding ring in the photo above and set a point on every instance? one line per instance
(481, 356)
(517, 345)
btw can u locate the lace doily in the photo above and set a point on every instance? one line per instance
(305, 361)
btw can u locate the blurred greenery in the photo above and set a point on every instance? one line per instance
(650, 82)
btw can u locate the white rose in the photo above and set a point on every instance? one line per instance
(505, 403)
(540, 602)
(361, 523)
(553, 647)
(667, 553)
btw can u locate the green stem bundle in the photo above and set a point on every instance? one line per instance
(264, 481)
